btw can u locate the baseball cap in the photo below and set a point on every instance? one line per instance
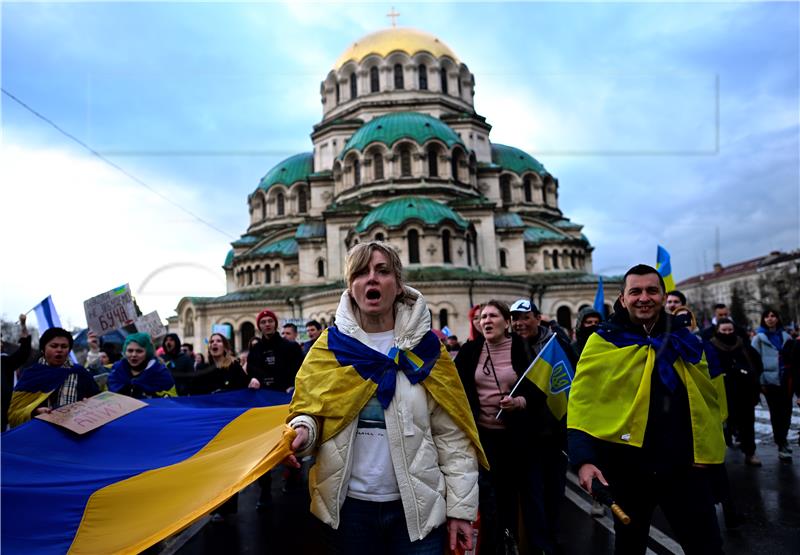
(524, 305)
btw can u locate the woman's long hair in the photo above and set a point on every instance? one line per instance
(227, 357)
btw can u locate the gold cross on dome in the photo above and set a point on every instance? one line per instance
(393, 14)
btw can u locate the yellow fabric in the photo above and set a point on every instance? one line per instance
(166, 500)
(335, 395)
(610, 398)
(23, 403)
(541, 375)
(722, 395)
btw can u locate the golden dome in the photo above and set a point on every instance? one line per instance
(391, 40)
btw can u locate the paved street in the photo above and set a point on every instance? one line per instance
(767, 499)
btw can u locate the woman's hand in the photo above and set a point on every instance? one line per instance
(254, 384)
(42, 410)
(512, 403)
(460, 532)
(298, 442)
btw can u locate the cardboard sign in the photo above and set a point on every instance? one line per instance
(222, 329)
(110, 310)
(85, 416)
(151, 324)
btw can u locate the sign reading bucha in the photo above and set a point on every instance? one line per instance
(110, 310)
(84, 416)
(151, 324)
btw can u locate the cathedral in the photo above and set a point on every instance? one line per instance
(400, 155)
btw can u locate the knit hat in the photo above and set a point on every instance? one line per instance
(141, 339)
(52, 333)
(264, 313)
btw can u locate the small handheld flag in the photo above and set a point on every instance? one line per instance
(664, 268)
(47, 317)
(599, 299)
(551, 372)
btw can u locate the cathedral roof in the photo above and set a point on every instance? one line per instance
(295, 168)
(515, 160)
(536, 234)
(284, 247)
(397, 211)
(394, 39)
(390, 128)
(310, 230)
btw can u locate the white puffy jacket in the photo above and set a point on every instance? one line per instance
(434, 461)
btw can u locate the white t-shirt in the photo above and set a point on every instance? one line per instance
(372, 477)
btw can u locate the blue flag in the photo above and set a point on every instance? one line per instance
(600, 300)
(47, 317)
(664, 268)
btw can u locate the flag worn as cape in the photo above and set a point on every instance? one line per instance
(138, 479)
(340, 374)
(38, 382)
(552, 373)
(154, 381)
(610, 396)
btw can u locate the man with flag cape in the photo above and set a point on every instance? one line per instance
(379, 402)
(644, 414)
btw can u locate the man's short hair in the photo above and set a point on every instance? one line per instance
(525, 305)
(453, 337)
(724, 321)
(676, 293)
(314, 323)
(642, 270)
(290, 325)
(719, 305)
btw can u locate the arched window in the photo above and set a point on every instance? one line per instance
(564, 317)
(353, 86)
(377, 164)
(433, 161)
(320, 268)
(281, 204)
(469, 250)
(447, 257)
(443, 78)
(379, 237)
(267, 274)
(338, 92)
(413, 246)
(249, 276)
(188, 325)
(555, 260)
(374, 80)
(276, 273)
(544, 194)
(405, 162)
(398, 76)
(574, 259)
(423, 77)
(503, 259)
(460, 90)
(505, 189)
(455, 162)
(443, 318)
(526, 188)
(356, 172)
(302, 201)
(264, 209)
(248, 331)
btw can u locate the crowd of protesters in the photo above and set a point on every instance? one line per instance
(412, 444)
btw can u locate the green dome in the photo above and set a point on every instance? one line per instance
(228, 259)
(516, 160)
(390, 128)
(295, 168)
(397, 211)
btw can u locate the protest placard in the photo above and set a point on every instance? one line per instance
(85, 416)
(110, 310)
(151, 324)
(222, 329)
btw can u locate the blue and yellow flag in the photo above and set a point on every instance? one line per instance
(664, 267)
(552, 373)
(138, 479)
(340, 374)
(610, 397)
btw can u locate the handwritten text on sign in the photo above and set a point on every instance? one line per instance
(84, 416)
(110, 310)
(151, 325)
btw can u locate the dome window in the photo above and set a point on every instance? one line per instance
(413, 246)
(267, 274)
(281, 204)
(423, 77)
(503, 258)
(374, 81)
(379, 237)
(443, 78)
(320, 268)
(356, 173)
(405, 162)
(338, 93)
(433, 161)
(505, 189)
(526, 187)
(353, 86)
(377, 164)
(398, 77)
(555, 260)
(302, 201)
(446, 254)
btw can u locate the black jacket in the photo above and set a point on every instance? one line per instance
(274, 361)
(212, 379)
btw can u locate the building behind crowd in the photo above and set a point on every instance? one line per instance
(749, 287)
(402, 156)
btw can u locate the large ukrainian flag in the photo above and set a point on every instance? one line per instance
(552, 373)
(138, 479)
(610, 397)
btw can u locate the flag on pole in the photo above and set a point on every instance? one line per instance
(600, 300)
(552, 372)
(664, 268)
(47, 317)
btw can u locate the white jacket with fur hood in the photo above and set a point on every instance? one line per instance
(434, 461)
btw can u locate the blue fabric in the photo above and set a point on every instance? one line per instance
(43, 377)
(775, 337)
(153, 379)
(680, 343)
(380, 368)
(49, 473)
(599, 299)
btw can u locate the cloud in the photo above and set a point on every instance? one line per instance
(75, 227)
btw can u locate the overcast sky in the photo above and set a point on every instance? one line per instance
(663, 122)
